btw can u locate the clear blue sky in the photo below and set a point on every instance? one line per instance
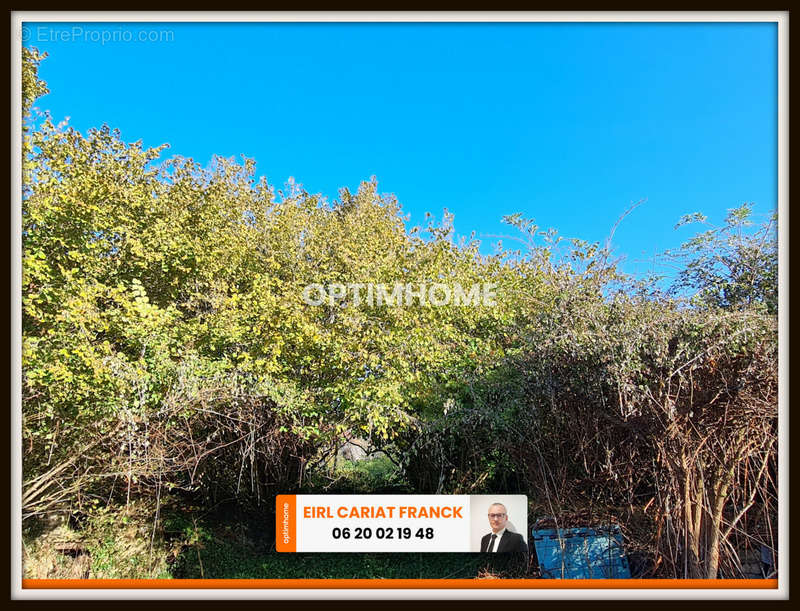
(566, 123)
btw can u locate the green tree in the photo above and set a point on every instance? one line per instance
(734, 266)
(162, 302)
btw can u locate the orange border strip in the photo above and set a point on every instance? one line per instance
(401, 584)
(286, 540)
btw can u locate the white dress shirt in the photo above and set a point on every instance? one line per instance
(497, 540)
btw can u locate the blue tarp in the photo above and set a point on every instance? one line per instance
(581, 553)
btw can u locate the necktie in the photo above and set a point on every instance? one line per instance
(491, 544)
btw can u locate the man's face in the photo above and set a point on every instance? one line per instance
(498, 516)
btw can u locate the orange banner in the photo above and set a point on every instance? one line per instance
(403, 584)
(286, 523)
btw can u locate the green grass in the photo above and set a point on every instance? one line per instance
(222, 560)
(377, 475)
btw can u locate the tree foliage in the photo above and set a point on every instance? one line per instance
(734, 266)
(167, 346)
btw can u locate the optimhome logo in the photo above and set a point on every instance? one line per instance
(396, 295)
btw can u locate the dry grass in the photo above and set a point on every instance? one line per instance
(46, 556)
(111, 544)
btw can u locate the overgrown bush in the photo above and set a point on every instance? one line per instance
(167, 350)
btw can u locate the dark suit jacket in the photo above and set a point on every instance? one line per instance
(509, 542)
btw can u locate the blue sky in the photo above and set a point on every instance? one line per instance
(565, 123)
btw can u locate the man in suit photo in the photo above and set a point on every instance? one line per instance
(501, 540)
